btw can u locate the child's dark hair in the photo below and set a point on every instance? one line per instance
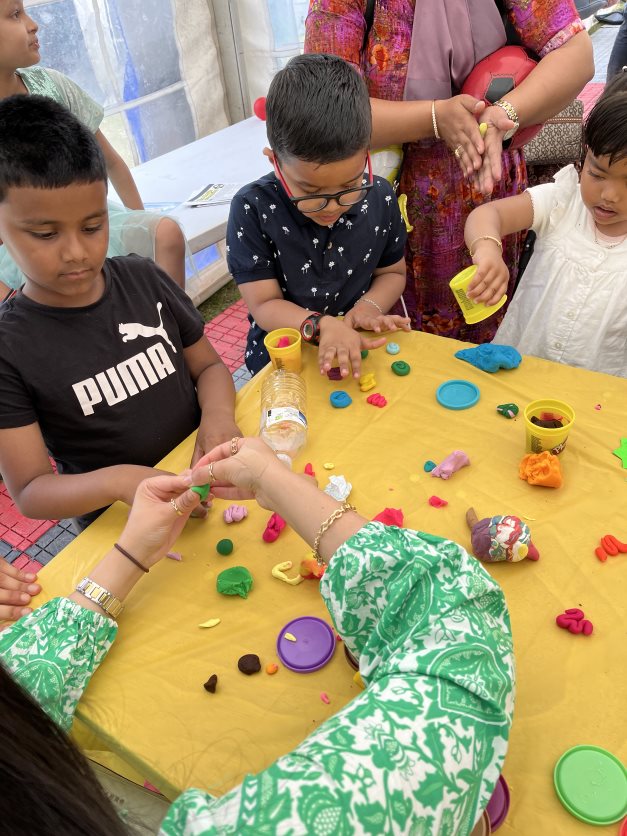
(43, 146)
(318, 110)
(605, 130)
(47, 785)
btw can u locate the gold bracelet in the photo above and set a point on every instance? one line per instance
(436, 133)
(326, 525)
(484, 238)
(371, 302)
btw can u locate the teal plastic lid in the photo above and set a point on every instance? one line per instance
(457, 394)
(592, 784)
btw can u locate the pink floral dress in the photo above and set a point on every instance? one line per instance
(439, 199)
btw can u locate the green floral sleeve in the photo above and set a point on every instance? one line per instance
(54, 651)
(420, 750)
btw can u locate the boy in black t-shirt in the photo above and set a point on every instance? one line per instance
(318, 238)
(103, 362)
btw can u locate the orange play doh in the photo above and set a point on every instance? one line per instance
(541, 469)
(311, 570)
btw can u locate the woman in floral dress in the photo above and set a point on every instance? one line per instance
(408, 67)
(419, 751)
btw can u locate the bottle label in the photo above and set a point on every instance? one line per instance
(285, 413)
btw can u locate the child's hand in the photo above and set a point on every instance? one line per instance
(339, 339)
(16, 590)
(370, 320)
(490, 281)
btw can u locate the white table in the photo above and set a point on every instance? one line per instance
(232, 155)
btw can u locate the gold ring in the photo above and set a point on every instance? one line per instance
(235, 446)
(457, 151)
(212, 478)
(176, 507)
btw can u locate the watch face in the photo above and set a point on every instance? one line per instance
(308, 330)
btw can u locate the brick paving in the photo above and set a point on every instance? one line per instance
(30, 544)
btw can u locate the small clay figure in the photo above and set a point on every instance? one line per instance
(452, 463)
(502, 538)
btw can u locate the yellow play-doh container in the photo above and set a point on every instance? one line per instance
(288, 357)
(541, 439)
(473, 311)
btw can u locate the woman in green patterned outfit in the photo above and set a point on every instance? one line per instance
(419, 751)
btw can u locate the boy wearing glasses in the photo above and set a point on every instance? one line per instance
(321, 237)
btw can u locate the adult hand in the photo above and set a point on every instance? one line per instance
(365, 316)
(489, 174)
(211, 433)
(16, 590)
(153, 524)
(241, 476)
(490, 281)
(459, 128)
(337, 339)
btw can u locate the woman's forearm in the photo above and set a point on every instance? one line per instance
(396, 122)
(555, 82)
(304, 507)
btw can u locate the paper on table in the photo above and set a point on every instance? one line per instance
(214, 194)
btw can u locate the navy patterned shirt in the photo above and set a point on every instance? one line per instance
(321, 268)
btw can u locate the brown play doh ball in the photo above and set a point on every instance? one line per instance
(211, 684)
(249, 664)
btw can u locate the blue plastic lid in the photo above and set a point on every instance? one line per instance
(457, 394)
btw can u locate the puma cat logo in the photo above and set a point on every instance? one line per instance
(132, 330)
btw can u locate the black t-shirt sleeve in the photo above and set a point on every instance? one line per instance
(397, 234)
(250, 254)
(16, 405)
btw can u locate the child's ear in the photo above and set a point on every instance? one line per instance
(269, 153)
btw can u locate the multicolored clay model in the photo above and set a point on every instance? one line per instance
(503, 538)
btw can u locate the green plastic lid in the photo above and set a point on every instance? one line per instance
(592, 784)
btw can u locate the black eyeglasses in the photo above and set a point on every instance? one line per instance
(316, 203)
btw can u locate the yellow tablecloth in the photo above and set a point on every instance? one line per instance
(147, 701)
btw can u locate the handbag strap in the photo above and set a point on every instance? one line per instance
(369, 18)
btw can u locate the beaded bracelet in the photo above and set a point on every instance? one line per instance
(326, 525)
(484, 238)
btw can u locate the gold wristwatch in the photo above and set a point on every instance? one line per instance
(509, 108)
(101, 596)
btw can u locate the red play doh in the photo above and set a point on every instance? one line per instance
(390, 516)
(275, 526)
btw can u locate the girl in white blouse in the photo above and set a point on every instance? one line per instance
(571, 304)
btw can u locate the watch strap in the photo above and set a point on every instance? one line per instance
(310, 328)
(99, 595)
(510, 110)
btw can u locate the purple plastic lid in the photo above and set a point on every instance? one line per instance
(498, 805)
(313, 648)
